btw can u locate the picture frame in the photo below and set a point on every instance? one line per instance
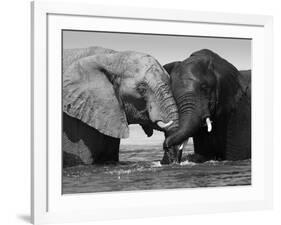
(48, 205)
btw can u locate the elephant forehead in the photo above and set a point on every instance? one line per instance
(135, 69)
(134, 75)
(191, 70)
(140, 60)
(155, 72)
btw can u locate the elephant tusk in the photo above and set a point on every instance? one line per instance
(209, 124)
(181, 146)
(164, 125)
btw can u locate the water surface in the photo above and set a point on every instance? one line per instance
(140, 169)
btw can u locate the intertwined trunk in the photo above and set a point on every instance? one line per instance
(189, 119)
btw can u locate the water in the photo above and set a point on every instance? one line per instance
(140, 169)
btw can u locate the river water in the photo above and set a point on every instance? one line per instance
(140, 169)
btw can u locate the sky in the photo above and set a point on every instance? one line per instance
(165, 49)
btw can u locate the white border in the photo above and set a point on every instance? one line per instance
(48, 205)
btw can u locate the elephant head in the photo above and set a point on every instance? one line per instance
(108, 90)
(209, 92)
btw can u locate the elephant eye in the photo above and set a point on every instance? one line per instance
(141, 88)
(204, 86)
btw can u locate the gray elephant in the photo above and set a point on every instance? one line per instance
(214, 103)
(103, 92)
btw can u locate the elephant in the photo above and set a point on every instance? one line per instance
(103, 92)
(214, 105)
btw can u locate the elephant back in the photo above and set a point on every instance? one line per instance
(245, 81)
(239, 126)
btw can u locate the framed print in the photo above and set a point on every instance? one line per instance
(147, 112)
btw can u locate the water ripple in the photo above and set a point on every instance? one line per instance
(141, 170)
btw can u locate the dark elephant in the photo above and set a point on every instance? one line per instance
(103, 92)
(214, 104)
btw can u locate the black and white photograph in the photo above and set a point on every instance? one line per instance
(153, 111)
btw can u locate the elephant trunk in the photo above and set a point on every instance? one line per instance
(168, 107)
(188, 126)
(189, 120)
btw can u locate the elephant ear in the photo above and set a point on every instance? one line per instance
(170, 66)
(72, 55)
(89, 96)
